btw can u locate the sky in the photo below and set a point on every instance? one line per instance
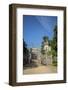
(36, 27)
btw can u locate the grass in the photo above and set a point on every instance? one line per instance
(54, 63)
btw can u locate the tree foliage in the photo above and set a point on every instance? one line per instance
(25, 53)
(45, 38)
(54, 42)
(54, 46)
(25, 50)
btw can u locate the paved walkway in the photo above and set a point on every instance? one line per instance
(39, 69)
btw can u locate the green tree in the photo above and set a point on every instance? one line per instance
(54, 42)
(24, 47)
(25, 53)
(54, 46)
(45, 38)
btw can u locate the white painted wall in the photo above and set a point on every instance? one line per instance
(4, 47)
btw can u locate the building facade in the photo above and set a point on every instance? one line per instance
(47, 57)
(36, 55)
